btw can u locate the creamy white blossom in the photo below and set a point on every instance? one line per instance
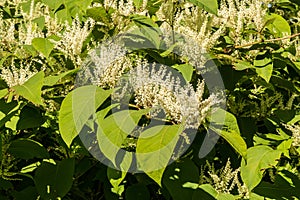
(105, 65)
(126, 7)
(73, 37)
(17, 75)
(224, 180)
(155, 86)
(242, 14)
(194, 24)
(295, 129)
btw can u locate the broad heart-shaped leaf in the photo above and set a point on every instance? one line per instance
(258, 159)
(209, 6)
(154, 149)
(27, 149)
(43, 45)
(32, 88)
(225, 124)
(54, 181)
(112, 132)
(3, 93)
(176, 177)
(78, 106)
(278, 26)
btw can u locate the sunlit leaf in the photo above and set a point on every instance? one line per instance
(259, 158)
(32, 88)
(78, 106)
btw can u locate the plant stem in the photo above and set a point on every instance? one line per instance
(271, 40)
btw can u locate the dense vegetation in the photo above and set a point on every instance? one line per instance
(149, 99)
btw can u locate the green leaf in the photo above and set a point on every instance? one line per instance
(147, 28)
(77, 6)
(222, 196)
(112, 132)
(262, 62)
(54, 181)
(177, 179)
(278, 25)
(78, 106)
(153, 6)
(154, 149)
(40, 21)
(138, 3)
(63, 16)
(3, 93)
(186, 70)
(30, 117)
(98, 14)
(169, 50)
(115, 178)
(242, 65)
(225, 124)
(53, 4)
(27, 149)
(286, 186)
(259, 158)
(205, 191)
(32, 88)
(8, 110)
(209, 6)
(156, 175)
(265, 72)
(52, 80)
(64, 176)
(45, 180)
(43, 45)
(284, 146)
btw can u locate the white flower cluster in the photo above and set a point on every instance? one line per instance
(295, 129)
(122, 10)
(224, 180)
(195, 24)
(105, 65)
(155, 86)
(11, 2)
(243, 13)
(126, 7)
(14, 75)
(73, 37)
(17, 32)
